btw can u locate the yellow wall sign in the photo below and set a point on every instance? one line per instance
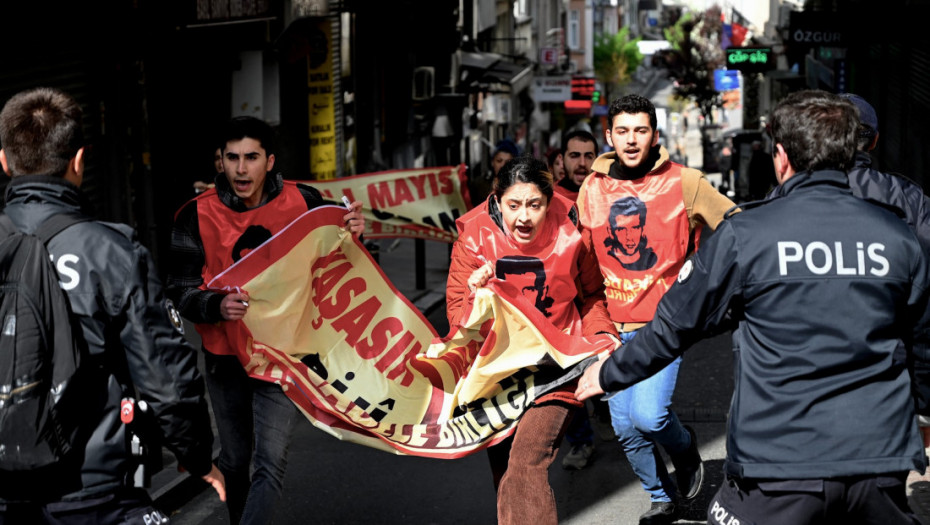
(320, 103)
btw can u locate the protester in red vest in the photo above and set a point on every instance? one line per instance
(579, 150)
(530, 237)
(211, 232)
(644, 214)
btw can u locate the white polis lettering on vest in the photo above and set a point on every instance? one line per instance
(722, 516)
(68, 276)
(821, 259)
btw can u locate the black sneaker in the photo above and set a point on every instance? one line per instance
(578, 457)
(661, 513)
(689, 470)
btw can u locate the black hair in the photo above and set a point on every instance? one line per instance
(524, 169)
(41, 131)
(578, 134)
(239, 128)
(521, 264)
(632, 104)
(551, 156)
(817, 129)
(627, 206)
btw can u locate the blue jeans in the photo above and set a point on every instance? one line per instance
(249, 411)
(641, 418)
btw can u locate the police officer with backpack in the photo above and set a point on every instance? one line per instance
(827, 293)
(140, 385)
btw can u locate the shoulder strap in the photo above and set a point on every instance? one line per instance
(56, 223)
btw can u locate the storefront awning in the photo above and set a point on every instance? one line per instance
(483, 69)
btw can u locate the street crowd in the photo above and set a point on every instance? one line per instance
(823, 282)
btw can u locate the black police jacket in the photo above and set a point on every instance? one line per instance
(894, 190)
(825, 290)
(132, 332)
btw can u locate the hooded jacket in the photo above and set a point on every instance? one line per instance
(674, 201)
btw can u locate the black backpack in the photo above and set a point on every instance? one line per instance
(40, 352)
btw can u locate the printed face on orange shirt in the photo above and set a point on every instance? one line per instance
(629, 232)
(632, 137)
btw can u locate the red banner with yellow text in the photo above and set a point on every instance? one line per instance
(364, 365)
(419, 203)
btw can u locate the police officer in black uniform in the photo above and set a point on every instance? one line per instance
(137, 356)
(825, 291)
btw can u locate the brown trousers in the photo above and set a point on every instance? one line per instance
(520, 465)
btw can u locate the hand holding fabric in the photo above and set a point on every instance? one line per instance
(234, 306)
(481, 276)
(355, 221)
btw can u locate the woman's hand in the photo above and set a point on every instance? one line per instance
(480, 276)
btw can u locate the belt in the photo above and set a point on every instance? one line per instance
(628, 327)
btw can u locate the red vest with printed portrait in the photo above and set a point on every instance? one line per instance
(228, 235)
(545, 270)
(642, 249)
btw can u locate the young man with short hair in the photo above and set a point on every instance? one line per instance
(679, 202)
(579, 149)
(136, 347)
(827, 293)
(211, 232)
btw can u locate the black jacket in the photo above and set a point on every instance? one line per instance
(894, 190)
(891, 190)
(910, 204)
(825, 289)
(133, 333)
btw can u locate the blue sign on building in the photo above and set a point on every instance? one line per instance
(726, 79)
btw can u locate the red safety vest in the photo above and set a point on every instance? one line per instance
(228, 235)
(637, 274)
(545, 270)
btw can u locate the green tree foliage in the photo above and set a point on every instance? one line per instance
(616, 58)
(696, 52)
(678, 32)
